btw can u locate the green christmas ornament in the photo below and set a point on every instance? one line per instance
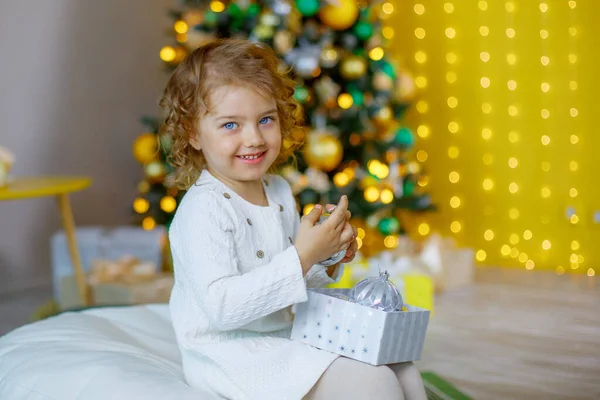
(360, 52)
(404, 138)
(388, 226)
(210, 18)
(166, 143)
(234, 11)
(363, 30)
(301, 94)
(253, 10)
(409, 187)
(388, 69)
(307, 8)
(357, 97)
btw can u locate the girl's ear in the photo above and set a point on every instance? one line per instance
(195, 141)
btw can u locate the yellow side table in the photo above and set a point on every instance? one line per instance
(26, 188)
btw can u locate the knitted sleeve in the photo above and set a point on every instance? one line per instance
(203, 241)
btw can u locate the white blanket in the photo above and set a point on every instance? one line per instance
(99, 354)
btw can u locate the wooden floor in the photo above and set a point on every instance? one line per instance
(512, 335)
(518, 335)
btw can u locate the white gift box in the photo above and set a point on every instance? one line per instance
(359, 332)
(96, 242)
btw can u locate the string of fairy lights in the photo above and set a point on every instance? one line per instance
(486, 131)
(550, 106)
(422, 106)
(452, 103)
(575, 259)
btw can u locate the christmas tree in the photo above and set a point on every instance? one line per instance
(353, 94)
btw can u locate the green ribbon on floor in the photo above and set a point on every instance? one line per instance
(439, 389)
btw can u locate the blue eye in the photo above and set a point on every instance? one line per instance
(266, 120)
(230, 125)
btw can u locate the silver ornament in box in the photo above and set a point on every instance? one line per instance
(377, 292)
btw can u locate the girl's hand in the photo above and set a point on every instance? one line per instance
(331, 269)
(353, 248)
(315, 243)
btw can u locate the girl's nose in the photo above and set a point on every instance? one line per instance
(254, 137)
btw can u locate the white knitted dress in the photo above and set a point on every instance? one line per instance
(237, 274)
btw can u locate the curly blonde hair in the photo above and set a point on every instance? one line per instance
(224, 62)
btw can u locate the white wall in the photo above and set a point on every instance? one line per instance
(75, 77)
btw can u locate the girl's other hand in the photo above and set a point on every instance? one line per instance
(315, 243)
(353, 248)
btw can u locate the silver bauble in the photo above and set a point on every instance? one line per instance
(377, 292)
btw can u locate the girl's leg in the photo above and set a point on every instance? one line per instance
(353, 380)
(410, 380)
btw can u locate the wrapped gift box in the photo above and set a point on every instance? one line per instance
(96, 242)
(359, 332)
(155, 290)
(451, 267)
(459, 270)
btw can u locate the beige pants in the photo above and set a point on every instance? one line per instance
(353, 380)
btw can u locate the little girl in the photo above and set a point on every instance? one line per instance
(242, 255)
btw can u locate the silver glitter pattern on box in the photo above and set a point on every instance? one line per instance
(359, 332)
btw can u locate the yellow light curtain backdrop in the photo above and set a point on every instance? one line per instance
(507, 110)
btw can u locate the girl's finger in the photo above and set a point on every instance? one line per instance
(338, 216)
(347, 234)
(354, 246)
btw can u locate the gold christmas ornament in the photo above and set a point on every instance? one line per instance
(329, 57)
(283, 41)
(384, 118)
(155, 171)
(145, 148)
(264, 32)
(294, 21)
(339, 15)
(353, 67)
(323, 151)
(383, 82)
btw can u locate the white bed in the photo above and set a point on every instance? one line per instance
(98, 354)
